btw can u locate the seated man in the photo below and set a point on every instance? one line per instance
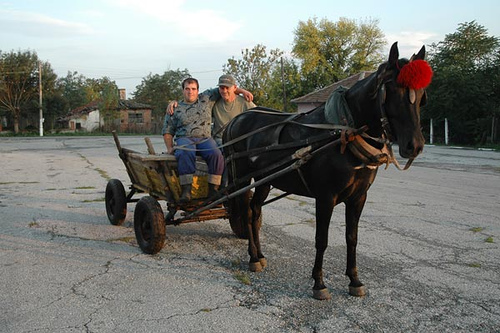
(191, 125)
(228, 104)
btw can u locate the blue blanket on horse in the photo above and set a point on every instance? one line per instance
(336, 109)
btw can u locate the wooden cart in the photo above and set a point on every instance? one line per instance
(156, 175)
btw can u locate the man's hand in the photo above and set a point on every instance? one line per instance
(246, 94)
(171, 106)
(169, 143)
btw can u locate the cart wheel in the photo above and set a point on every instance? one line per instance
(116, 202)
(239, 214)
(149, 225)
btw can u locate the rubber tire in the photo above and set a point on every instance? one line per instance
(116, 202)
(237, 208)
(149, 225)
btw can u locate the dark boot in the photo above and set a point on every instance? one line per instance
(212, 190)
(186, 193)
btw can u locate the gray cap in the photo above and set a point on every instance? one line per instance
(226, 80)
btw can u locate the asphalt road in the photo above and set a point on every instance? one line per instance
(428, 252)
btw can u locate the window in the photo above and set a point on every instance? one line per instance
(135, 118)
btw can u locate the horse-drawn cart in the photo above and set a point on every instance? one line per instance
(156, 175)
(331, 153)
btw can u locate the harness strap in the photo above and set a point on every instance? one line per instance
(374, 157)
(281, 123)
(299, 158)
(281, 146)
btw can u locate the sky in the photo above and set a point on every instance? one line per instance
(126, 40)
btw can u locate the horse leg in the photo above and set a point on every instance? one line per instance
(353, 213)
(257, 259)
(324, 209)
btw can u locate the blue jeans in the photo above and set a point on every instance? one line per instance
(186, 159)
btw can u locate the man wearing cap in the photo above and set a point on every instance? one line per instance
(189, 121)
(229, 106)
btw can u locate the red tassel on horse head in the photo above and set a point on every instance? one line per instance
(416, 74)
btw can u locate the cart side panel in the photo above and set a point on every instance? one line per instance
(158, 174)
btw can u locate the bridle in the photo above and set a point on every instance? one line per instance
(387, 139)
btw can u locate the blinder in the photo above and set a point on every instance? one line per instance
(412, 95)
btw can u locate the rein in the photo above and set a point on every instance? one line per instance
(386, 127)
(370, 156)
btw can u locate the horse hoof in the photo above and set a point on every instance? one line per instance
(255, 266)
(322, 294)
(263, 262)
(357, 291)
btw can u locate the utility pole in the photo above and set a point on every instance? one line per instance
(431, 133)
(283, 81)
(40, 95)
(446, 131)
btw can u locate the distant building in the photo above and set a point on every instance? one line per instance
(316, 98)
(134, 117)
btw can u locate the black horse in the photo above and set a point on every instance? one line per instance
(338, 164)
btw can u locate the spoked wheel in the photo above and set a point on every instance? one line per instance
(116, 202)
(239, 214)
(149, 225)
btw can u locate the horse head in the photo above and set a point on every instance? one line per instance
(401, 92)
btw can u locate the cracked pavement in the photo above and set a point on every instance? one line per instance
(428, 252)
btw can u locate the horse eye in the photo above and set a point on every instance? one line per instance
(412, 95)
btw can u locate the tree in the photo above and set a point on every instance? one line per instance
(156, 90)
(285, 84)
(105, 91)
(331, 51)
(254, 71)
(18, 82)
(463, 90)
(72, 88)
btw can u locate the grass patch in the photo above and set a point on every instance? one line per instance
(103, 173)
(85, 188)
(95, 200)
(129, 239)
(242, 277)
(475, 265)
(33, 224)
(476, 229)
(310, 221)
(489, 240)
(301, 202)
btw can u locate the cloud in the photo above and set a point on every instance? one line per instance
(39, 25)
(412, 39)
(410, 42)
(208, 25)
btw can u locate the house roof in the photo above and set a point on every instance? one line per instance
(321, 95)
(125, 104)
(94, 105)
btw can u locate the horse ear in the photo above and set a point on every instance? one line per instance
(394, 54)
(382, 71)
(420, 55)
